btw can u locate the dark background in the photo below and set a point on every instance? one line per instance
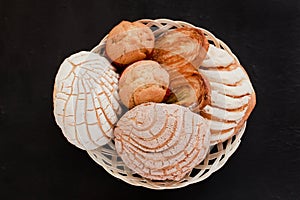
(36, 162)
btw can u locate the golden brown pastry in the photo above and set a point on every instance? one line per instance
(129, 42)
(162, 141)
(181, 51)
(188, 88)
(181, 46)
(143, 81)
(232, 95)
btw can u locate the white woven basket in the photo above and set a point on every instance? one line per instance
(108, 158)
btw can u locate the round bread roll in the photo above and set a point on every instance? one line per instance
(162, 141)
(143, 81)
(232, 95)
(86, 101)
(181, 51)
(129, 42)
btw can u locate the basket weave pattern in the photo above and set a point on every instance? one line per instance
(108, 158)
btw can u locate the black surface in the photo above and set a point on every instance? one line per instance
(36, 162)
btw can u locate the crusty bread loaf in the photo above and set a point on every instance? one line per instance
(162, 141)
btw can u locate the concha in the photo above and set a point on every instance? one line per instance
(232, 95)
(181, 46)
(162, 141)
(181, 51)
(86, 101)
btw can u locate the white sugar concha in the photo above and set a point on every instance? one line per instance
(162, 141)
(86, 100)
(232, 94)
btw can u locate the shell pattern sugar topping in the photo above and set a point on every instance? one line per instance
(162, 141)
(232, 95)
(86, 101)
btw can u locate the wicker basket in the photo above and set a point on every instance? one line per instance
(108, 158)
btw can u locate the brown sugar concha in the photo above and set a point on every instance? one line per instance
(181, 46)
(129, 42)
(86, 101)
(181, 51)
(143, 81)
(232, 95)
(162, 141)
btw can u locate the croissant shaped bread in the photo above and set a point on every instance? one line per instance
(86, 101)
(181, 51)
(162, 141)
(232, 94)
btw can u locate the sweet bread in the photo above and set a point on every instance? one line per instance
(181, 51)
(162, 141)
(129, 42)
(232, 95)
(86, 101)
(181, 46)
(143, 81)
